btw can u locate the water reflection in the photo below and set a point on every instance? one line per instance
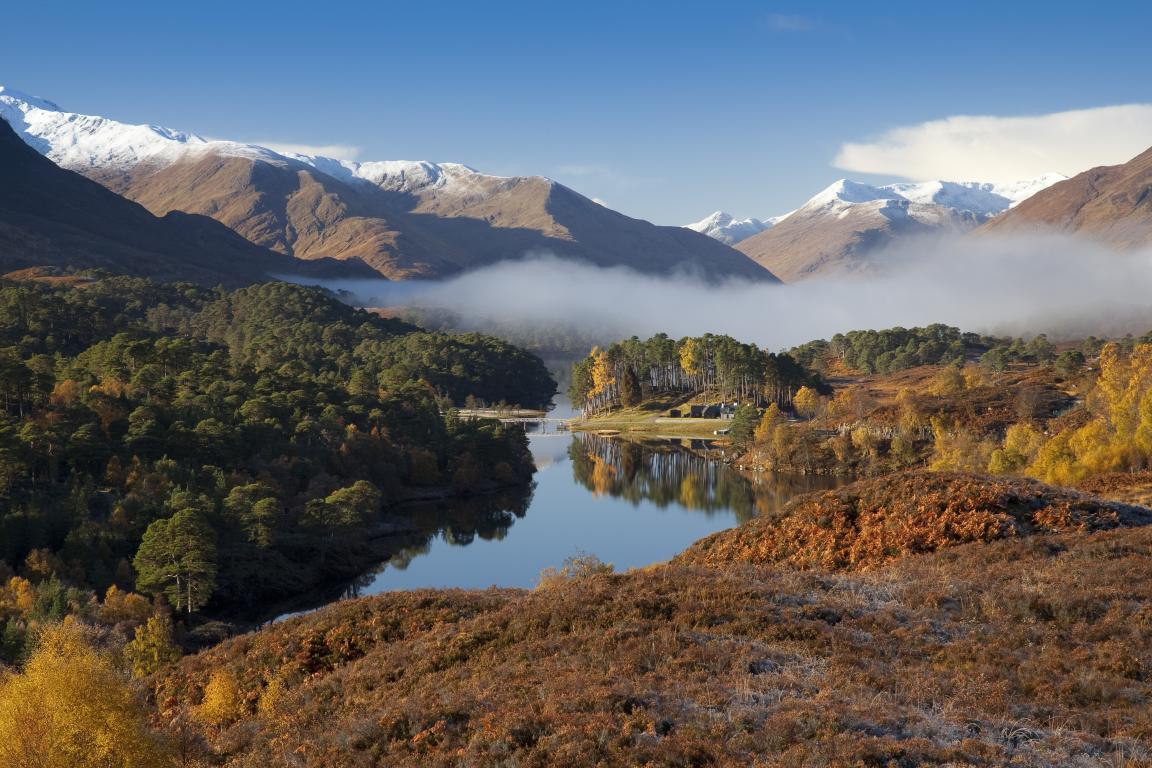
(660, 471)
(629, 503)
(455, 522)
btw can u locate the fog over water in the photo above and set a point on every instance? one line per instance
(1063, 286)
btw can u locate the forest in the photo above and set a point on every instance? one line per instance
(897, 349)
(715, 366)
(216, 450)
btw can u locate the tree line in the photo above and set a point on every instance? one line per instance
(719, 367)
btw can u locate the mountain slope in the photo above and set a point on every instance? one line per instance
(405, 219)
(53, 217)
(840, 229)
(1111, 203)
(830, 235)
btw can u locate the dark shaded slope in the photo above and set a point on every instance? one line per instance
(54, 217)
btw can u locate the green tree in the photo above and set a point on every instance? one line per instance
(744, 423)
(354, 505)
(1070, 362)
(177, 558)
(630, 394)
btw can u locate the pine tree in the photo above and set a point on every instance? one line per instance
(177, 558)
(630, 394)
(744, 424)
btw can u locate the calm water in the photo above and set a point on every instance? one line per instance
(630, 504)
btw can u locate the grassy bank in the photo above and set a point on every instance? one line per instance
(651, 419)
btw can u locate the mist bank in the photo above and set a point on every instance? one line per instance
(1063, 286)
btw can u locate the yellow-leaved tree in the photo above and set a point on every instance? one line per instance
(1119, 435)
(1022, 442)
(771, 419)
(70, 707)
(807, 402)
(223, 698)
(948, 381)
(602, 378)
(152, 647)
(955, 449)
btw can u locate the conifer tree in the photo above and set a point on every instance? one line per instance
(177, 558)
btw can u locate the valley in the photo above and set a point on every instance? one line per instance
(313, 460)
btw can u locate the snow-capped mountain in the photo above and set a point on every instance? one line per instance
(723, 227)
(841, 227)
(51, 218)
(403, 218)
(77, 141)
(982, 200)
(729, 230)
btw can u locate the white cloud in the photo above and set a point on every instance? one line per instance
(1003, 285)
(335, 151)
(988, 148)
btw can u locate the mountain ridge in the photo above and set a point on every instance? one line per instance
(405, 219)
(981, 198)
(840, 228)
(53, 217)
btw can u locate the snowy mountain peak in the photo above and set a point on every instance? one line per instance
(966, 203)
(979, 198)
(727, 229)
(17, 98)
(86, 141)
(846, 191)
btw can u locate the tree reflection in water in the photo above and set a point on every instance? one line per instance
(666, 471)
(458, 522)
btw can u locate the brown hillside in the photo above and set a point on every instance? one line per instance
(51, 217)
(832, 240)
(1023, 652)
(1111, 203)
(871, 522)
(297, 210)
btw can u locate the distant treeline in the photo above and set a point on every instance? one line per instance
(897, 349)
(205, 445)
(625, 373)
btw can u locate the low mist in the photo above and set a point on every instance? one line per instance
(1063, 286)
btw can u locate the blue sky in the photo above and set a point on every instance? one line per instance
(664, 110)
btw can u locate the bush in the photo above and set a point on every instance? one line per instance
(577, 566)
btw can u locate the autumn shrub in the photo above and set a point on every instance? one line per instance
(223, 698)
(577, 566)
(872, 521)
